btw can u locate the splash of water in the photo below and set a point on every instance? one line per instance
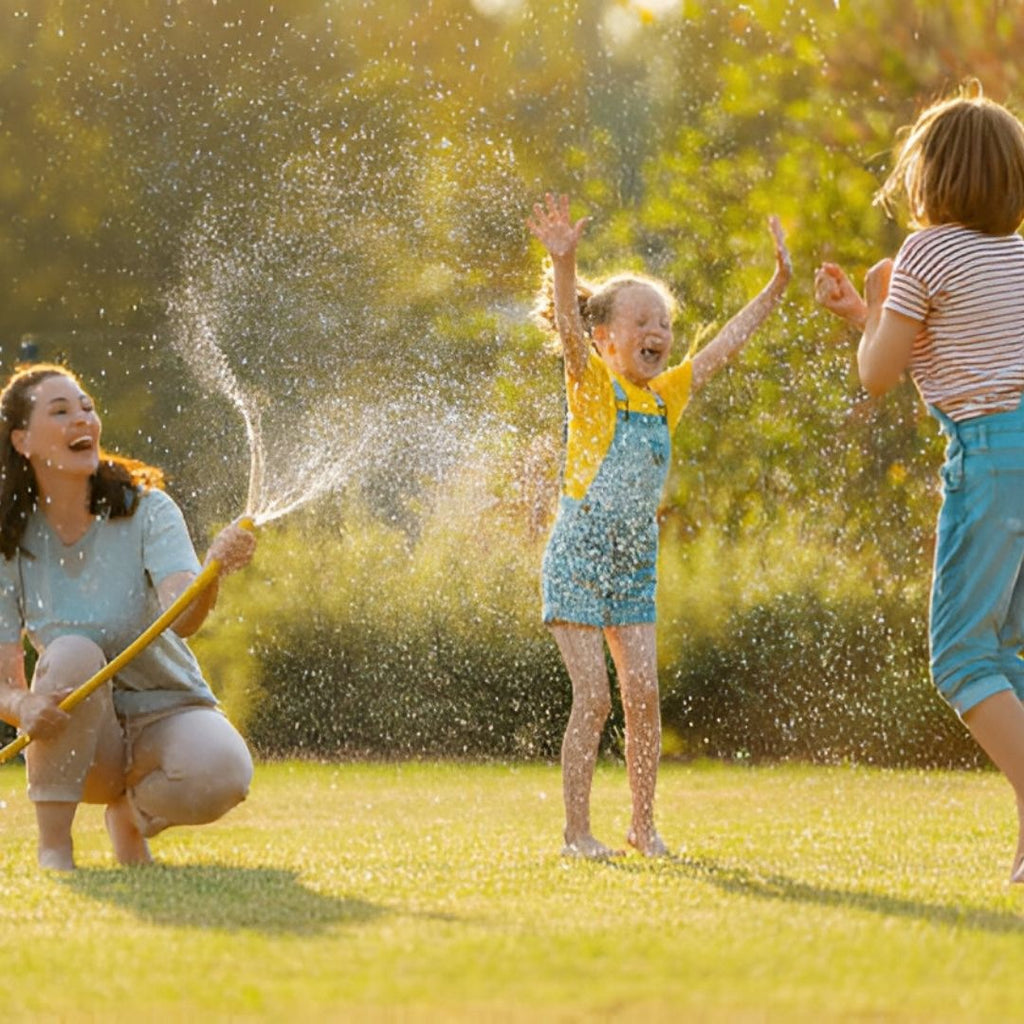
(296, 306)
(309, 463)
(196, 342)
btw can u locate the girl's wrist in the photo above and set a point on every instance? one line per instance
(565, 259)
(859, 316)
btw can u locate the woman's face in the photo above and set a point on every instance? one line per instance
(63, 430)
(637, 340)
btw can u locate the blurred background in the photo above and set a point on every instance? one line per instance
(335, 193)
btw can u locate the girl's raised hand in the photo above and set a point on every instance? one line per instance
(834, 290)
(783, 264)
(553, 228)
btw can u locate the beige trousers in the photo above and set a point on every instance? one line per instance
(187, 766)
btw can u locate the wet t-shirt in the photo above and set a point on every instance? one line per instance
(104, 587)
(965, 288)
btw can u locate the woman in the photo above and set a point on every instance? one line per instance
(92, 552)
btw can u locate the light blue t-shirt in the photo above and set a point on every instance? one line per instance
(103, 587)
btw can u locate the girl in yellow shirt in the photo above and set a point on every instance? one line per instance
(600, 565)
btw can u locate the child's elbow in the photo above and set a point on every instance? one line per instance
(876, 390)
(885, 351)
(875, 380)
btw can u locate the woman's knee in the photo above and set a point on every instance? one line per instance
(231, 765)
(67, 661)
(201, 768)
(221, 781)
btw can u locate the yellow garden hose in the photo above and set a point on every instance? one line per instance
(205, 577)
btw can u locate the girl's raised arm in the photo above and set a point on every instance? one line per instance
(887, 337)
(551, 225)
(887, 343)
(736, 333)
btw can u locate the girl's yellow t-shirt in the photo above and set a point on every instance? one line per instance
(592, 414)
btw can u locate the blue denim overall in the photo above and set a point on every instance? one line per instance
(600, 566)
(977, 610)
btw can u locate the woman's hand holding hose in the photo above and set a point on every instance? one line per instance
(233, 547)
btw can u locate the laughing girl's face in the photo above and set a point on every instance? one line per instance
(637, 340)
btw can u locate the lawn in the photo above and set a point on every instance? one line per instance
(435, 891)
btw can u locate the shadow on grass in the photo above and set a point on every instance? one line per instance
(776, 886)
(270, 900)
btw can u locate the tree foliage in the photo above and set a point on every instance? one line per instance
(343, 185)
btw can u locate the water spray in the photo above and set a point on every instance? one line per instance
(196, 340)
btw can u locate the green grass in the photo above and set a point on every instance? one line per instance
(435, 892)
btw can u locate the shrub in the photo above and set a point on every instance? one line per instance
(369, 642)
(786, 645)
(797, 677)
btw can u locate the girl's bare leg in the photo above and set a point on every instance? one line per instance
(582, 649)
(997, 723)
(634, 650)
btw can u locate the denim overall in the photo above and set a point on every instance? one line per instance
(600, 566)
(977, 610)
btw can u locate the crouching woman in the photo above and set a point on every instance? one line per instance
(91, 552)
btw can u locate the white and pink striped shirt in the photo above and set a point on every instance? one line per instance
(967, 289)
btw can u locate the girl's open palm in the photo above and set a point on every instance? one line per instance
(553, 228)
(783, 262)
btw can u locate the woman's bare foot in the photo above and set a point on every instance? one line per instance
(648, 843)
(130, 846)
(589, 848)
(55, 846)
(1017, 875)
(57, 858)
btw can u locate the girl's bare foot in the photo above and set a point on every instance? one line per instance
(130, 846)
(588, 848)
(648, 843)
(1017, 876)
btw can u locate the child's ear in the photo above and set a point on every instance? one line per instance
(18, 441)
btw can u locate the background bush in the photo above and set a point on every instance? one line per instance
(369, 644)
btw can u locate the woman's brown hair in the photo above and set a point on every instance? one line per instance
(962, 162)
(114, 487)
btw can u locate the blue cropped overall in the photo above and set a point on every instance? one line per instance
(600, 565)
(977, 611)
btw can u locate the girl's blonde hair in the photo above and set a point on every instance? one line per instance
(596, 300)
(961, 162)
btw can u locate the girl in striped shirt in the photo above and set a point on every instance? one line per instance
(950, 309)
